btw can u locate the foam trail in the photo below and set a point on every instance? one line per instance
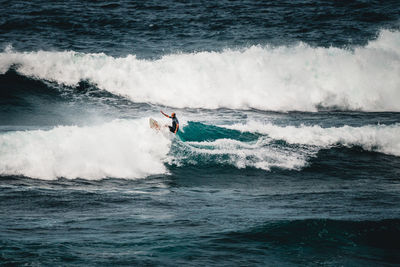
(260, 154)
(266, 78)
(120, 149)
(380, 138)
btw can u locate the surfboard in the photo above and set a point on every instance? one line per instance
(154, 124)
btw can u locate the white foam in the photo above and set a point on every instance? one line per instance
(120, 149)
(380, 138)
(258, 154)
(266, 78)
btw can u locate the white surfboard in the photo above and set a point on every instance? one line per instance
(154, 124)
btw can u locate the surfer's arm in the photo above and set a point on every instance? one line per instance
(165, 114)
(176, 128)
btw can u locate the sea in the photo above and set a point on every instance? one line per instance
(287, 154)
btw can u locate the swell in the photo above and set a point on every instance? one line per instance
(27, 101)
(159, 27)
(17, 89)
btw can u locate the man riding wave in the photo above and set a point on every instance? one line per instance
(175, 123)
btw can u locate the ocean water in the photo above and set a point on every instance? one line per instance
(288, 152)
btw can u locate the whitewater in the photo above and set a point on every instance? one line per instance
(381, 138)
(130, 149)
(123, 149)
(274, 78)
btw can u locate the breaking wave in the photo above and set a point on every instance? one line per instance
(281, 78)
(121, 149)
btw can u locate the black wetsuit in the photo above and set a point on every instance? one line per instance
(175, 123)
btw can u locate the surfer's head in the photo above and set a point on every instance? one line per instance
(173, 115)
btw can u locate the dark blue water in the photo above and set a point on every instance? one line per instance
(288, 152)
(153, 28)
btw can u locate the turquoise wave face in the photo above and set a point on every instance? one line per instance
(205, 145)
(200, 132)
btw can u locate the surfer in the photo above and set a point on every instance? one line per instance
(175, 123)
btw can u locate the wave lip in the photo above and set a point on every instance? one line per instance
(119, 149)
(282, 78)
